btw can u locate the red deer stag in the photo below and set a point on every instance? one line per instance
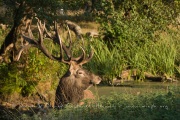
(72, 87)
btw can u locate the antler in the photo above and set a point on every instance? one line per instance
(39, 43)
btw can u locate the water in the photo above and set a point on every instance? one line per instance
(134, 88)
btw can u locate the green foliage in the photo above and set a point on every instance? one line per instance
(24, 76)
(10, 80)
(138, 34)
(73, 5)
(122, 106)
(132, 22)
(3, 33)
(155, 57)
(106, 63)
(44, 9)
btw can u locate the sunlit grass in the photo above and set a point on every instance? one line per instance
(152, 105)
(159, 58)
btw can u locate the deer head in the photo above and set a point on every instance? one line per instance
(77, 79)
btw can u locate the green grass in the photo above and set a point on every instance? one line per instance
(156, 105)
(159, 58)
(143, 100)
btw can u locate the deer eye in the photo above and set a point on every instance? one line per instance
(80, 72)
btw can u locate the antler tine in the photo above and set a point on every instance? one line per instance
(39, 43)
(39, 25)
(66, 49)
(82, 60)
(26, 46)
(87, 59)
(44, 26)
(48, 35)
(60, 42)
(61, 46)
(30, 32)
(30, 39)
(70, 39)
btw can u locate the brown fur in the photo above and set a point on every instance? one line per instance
(88, 95)
(73, 84)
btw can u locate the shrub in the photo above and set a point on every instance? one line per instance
(22, 77)
(138, 35)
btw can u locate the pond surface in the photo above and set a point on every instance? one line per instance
(134, 88)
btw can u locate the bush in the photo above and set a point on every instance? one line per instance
(23, 76)
(139, 35)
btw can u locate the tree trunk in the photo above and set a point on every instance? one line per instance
(8, 48)
(10, 39)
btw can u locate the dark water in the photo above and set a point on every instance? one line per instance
(134, 88)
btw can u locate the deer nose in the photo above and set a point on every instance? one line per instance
(99, 79)
(90, 82)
